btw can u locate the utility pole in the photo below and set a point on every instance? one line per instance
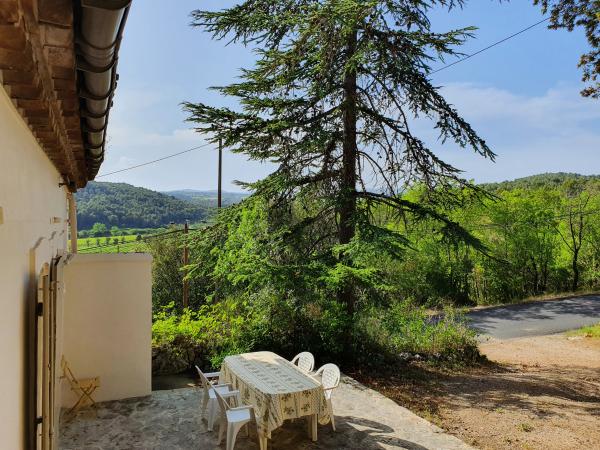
(220, 172)
(186, 257)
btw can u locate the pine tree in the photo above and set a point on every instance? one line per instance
(338, 88)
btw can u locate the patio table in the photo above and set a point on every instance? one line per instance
(277, 389)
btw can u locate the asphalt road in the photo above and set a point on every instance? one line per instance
(536, 318)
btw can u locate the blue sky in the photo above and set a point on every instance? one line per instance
(522, 97)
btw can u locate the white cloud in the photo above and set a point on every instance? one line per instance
(129, 146)
(138, 99)
(558, 107)
(123, 162)
(558, 131)
(124, 135)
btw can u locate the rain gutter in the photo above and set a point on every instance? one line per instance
(98, 35)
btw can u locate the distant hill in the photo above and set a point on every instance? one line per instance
(208, 198)
(551, 180)
(127, 206)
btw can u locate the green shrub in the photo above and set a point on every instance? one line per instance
(407, 331)
(286, 325)
(200, 337)
(168, 274)
(266, 321)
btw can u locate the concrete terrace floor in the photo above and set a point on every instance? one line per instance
(170, 420)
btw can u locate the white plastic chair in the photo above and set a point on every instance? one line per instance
(330, 379)
(207, 380)
(210, 406)
(234, 418)
(305, 361)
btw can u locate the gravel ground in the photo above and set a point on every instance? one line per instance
(537, 393)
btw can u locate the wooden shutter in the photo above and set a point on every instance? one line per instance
(46, 357)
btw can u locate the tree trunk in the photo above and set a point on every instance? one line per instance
(347, 204)
(575, 270)
(348, 183)
(535, 276)
(545, 277)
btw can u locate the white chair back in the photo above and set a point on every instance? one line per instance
(305, 361)
(223, 403)
(330, 378)
(205, 382)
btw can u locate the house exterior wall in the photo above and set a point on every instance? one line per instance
(33, 215)
(107, 323)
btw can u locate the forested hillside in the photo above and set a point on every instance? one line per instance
(533, 236)
(540, 181)
(207, 198)
(539, 235)
(127, 206)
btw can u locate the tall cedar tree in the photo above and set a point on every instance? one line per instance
(334, 96)
(586, 14)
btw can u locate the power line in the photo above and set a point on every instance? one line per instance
(155, 160)
(430, 73)
(491, 46)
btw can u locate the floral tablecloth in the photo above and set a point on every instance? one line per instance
(276, 388)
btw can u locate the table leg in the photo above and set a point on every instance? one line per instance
(262, 442)
(314, 427)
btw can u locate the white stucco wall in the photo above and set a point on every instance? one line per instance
(33, 214)
(107, 323)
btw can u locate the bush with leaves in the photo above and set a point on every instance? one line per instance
(408, 332)
(287, 286)
(168, 273)
(180, 340)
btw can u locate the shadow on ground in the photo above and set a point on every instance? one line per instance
(170, 419)
(500, 406)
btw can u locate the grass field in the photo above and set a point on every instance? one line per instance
(592, 331)
(112, 244)
(135, 240)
